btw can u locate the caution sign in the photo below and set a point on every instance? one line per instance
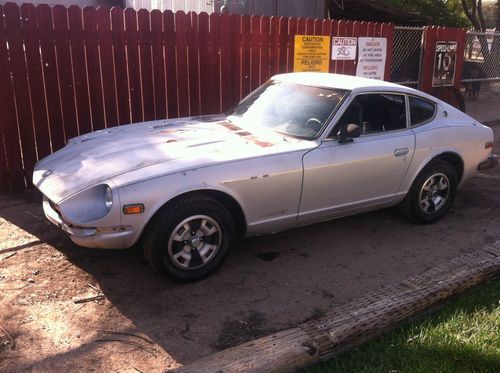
(311, 53)
(445, 60)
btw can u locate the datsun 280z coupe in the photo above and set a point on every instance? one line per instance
(302, 148)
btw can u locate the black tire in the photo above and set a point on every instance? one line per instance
(166, 238)
(418, 203)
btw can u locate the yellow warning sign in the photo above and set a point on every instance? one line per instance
(311, 53)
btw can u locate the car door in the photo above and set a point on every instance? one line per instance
(340, 178)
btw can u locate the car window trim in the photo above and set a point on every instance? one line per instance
(407, 100)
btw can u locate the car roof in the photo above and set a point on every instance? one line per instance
(339, 81)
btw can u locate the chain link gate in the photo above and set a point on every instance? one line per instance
(481, 64)
(407, 55)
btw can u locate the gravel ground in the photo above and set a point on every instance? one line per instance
(268, 283)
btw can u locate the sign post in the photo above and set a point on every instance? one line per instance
(311, 53)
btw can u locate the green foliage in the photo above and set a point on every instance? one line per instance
(440, 12)
(464, 336)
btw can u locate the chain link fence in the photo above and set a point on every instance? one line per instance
(481, 75)
(407, 55)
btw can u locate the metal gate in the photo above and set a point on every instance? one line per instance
(481, 64)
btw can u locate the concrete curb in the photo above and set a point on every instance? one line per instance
(354, 322)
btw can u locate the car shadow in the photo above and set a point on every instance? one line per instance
(269, 282)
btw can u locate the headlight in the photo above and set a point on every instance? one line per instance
(108, 198)
(88, 205)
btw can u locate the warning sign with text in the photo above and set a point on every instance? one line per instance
(311, 53)
(372, 56)
(344, 48)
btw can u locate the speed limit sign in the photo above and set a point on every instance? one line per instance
(444, 64)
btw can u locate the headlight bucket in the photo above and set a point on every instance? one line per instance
(88, 205)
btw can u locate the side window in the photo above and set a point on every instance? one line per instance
(375, 113)
(420, 111)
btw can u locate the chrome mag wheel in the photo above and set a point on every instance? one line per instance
(434, 193)
(194, 242)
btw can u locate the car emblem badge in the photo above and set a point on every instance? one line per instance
(46, 173)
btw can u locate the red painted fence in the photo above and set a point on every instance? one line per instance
(68, 71)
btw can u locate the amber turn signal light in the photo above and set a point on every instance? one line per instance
(133, 209)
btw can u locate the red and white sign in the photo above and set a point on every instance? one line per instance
(344, 48)
(372, 56)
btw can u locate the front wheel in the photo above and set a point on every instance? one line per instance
(190, 238)
(431, 194)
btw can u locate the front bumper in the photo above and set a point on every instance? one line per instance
(120, 237)
(491, 162)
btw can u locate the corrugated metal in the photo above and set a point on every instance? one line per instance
(287, 8)
(197, 6)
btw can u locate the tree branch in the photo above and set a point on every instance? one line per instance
(480, 14)
(471, 14)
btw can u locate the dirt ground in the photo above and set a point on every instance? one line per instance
(268, 283)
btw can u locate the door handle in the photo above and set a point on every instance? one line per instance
(401, 152)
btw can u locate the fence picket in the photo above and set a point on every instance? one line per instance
(170, 65)
(21, 88)
(35, 78)
(134, 73)
(146, 67)
(120, 64)
(93, 67)
(65, 72)
(79, 69)
(182, 60)
(205, 93)
(107, 66)
(160, 89)
(11, 167)
(246, 40)
(193, 61)
(215, 71)
(51, 80)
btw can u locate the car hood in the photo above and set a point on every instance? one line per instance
(181, 144)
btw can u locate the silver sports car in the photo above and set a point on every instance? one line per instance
(302, 148)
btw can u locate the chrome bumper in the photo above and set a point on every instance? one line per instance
(491, 162)
(95, 238)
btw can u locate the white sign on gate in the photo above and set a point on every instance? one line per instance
(344, 48)
(372, 56)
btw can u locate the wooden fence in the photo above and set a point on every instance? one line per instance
(68, 71)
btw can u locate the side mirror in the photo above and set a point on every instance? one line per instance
(349, 132)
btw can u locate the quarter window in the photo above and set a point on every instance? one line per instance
(420, 111)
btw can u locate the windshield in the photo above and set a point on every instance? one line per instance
(292, 109)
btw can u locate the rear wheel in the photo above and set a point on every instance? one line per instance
(190, 238)
(431, 194)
